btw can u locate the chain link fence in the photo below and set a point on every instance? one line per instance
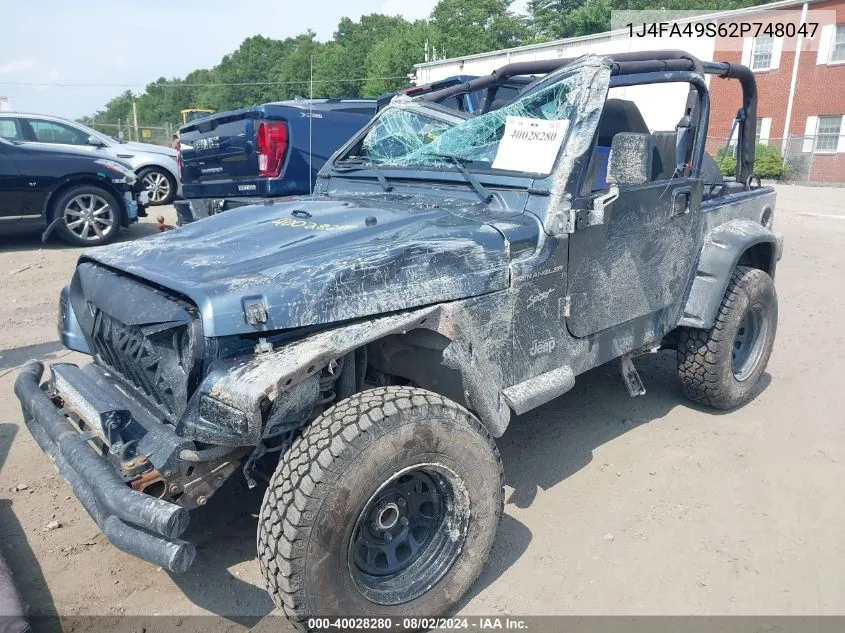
(157, 134)
(797, 159)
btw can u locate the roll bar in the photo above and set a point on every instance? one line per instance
(637, 63)
(746, 115)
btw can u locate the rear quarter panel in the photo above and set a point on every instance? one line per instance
(731, 225)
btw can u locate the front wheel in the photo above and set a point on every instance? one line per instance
(387, 505)
(90, 216)
(721, 367)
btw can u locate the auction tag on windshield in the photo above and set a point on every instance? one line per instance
(530, 145)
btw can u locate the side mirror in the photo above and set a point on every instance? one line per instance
(93, 140)
(630, 159)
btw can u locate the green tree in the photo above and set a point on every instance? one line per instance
(591, 17)
(117, 109)
(558, 19)
(344, 64)
(392, 59)
(684, 5)
(201, 95)
(465, 27)
(552, 19)
(294, 72)
(244, 75)
(163, 99)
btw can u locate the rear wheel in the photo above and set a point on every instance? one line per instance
(90, 216)
(721, 367)
(159, 184)
(388, 504)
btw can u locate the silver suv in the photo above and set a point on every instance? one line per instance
(155, 165)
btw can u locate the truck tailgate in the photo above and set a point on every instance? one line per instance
(220, 148)
(275, 149)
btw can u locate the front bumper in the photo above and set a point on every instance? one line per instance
(137, 523)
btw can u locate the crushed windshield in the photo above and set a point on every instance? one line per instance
(525, 135)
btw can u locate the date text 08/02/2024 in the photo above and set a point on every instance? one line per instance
(417, 623)
(733, 29)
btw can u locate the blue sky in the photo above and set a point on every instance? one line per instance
(129, 44)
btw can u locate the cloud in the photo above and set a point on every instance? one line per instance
(16, 66)
(408, 10)
(53, 75)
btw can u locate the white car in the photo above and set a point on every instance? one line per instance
(155, 165)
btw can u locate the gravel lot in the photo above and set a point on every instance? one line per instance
(614, 505)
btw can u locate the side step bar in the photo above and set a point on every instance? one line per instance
(539, 390)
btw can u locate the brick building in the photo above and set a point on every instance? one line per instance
(800, 81)
(801, 87)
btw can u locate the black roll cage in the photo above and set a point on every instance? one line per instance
(642, 68)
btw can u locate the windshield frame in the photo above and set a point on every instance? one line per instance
(587, 66)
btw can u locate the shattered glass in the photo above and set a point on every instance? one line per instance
(409, 137)
(400, 133)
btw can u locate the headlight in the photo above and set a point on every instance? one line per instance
(119, 174)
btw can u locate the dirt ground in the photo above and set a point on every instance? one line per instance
(614, 505)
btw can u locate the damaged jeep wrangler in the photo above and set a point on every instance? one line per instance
(362, 348)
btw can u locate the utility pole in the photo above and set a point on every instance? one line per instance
(310, 121)
(135, 119)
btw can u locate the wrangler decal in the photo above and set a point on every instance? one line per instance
(313, 226)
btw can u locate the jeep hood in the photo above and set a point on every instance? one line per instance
(319, 260)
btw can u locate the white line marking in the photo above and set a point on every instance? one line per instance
(821, 215)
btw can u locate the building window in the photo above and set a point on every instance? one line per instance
(761, 53)
(764, 128)
(827, 134)
(837, 53)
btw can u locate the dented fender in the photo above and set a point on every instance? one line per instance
(247, 384)
(721, 253)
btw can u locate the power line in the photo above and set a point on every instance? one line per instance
(200, 85)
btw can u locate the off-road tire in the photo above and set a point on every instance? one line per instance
(705, 362)
(329, 475)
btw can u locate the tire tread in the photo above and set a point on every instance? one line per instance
(698, 350)
(288, 512)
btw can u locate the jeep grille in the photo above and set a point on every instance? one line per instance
(156, 360)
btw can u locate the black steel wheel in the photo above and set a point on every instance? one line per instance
(749, 342)
(387, 505)
(402, 538)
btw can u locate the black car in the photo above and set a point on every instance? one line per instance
(83, 198)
